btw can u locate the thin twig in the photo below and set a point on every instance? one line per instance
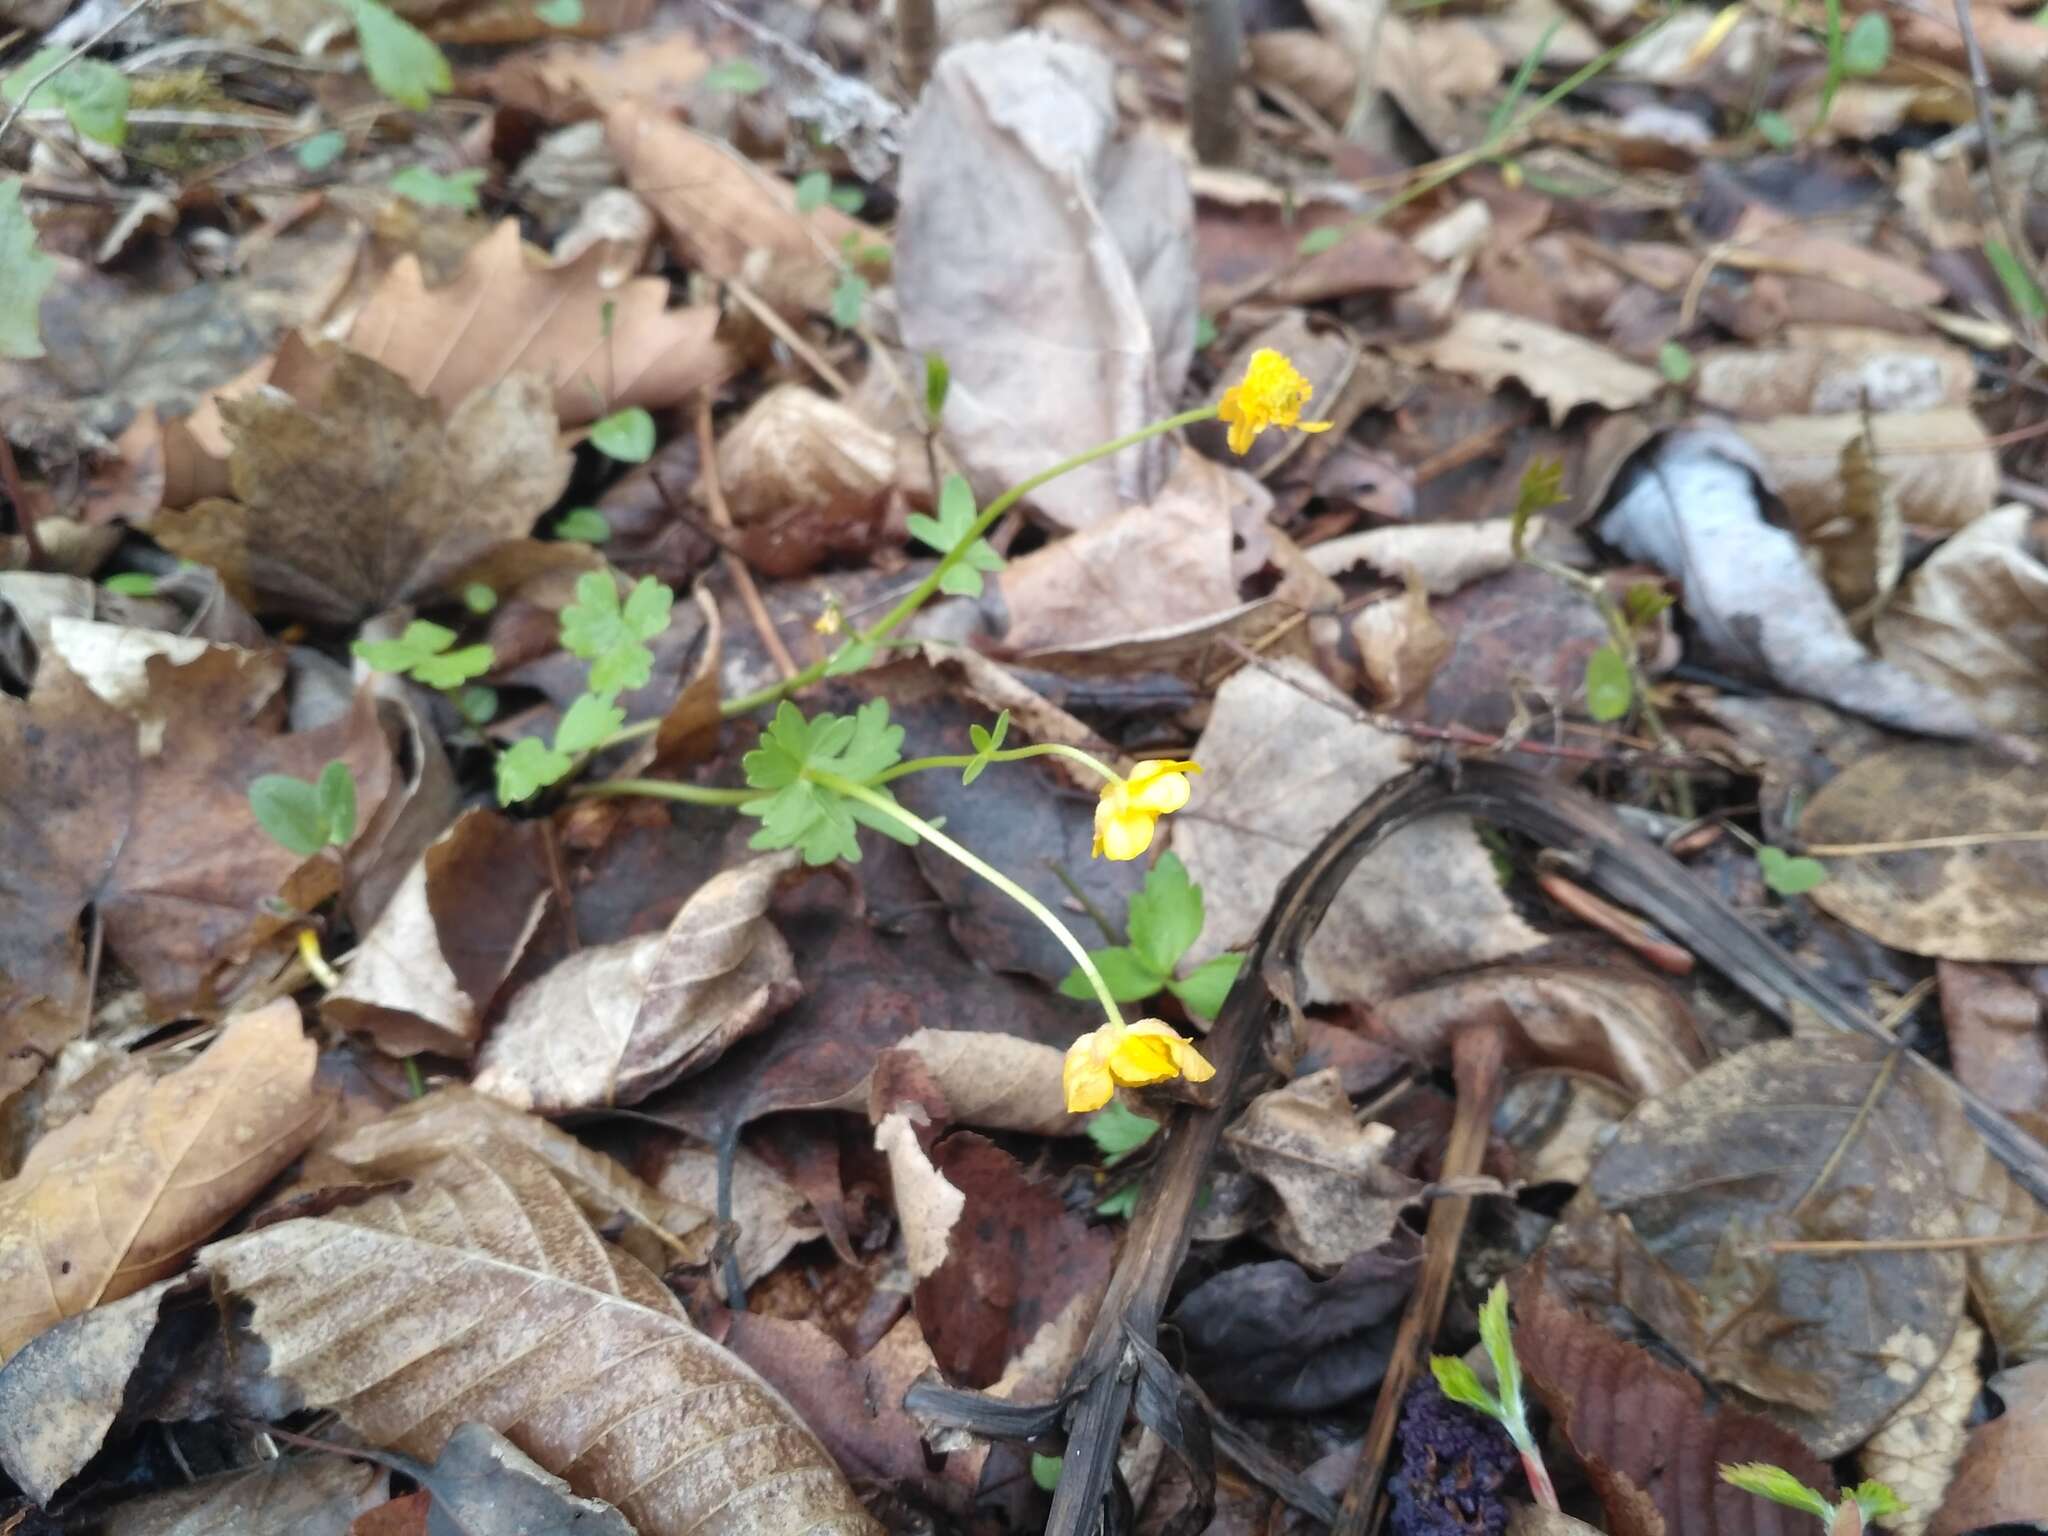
(788, 335)
(1915, 844)
(721, 518)
(1994, 167)
(1908, 1244)
(65, 63)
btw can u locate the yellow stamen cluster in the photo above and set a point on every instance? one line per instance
(1271, 394)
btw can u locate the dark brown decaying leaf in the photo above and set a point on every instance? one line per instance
(1614, 1020)
(2004, 1473)
(1979, 902)
(318, 530)
(115, 1199)
(613, 1024)
(484, 1485)
(1643, 1428)
(1791, 1140)
(292, 1496)
(1997, 1038)
(482, 1293)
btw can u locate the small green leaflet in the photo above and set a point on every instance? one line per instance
(1317, 241)
(938, 381)
(742, 77)
(812, 188)
(1129, 977)
(584, 524)
(1507, 1370)
(1608, 689)
(1674, 362)
(1790, 876)
(987, 743)
(25, 272)
(587, 723)
(1166, 916)
(1118, 1131)
(478, 598)
(1203, 989)
(93, 94)
(2021, 291)
(321, 150)
(430, 189)
(1164, 922)
(1121, 1205)
(423, 653)
(403, 61)
(850, 657)
(612, 636)
(799, 813)
(1045, 1471)
(1542, 487)
(1205, 332)
(1777, 1485)
(477, 704)
(1461, 1384)
(944, 532)
(560, 13)
(132, 584)
(1644, 602)
(1868, 47)
(627, 435)
(849, 298)
(1776, 131)
(527, 767)
(303, 817)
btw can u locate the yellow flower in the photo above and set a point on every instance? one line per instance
(1130, 808)
(1272, 395)
(1130, 1054)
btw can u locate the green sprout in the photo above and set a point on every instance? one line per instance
(1871, 1499)
(1461, 1384)
(306, 817)
(424, 653)
(1165, 920)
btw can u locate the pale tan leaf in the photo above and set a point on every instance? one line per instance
(291, 1496)
(1446, 556)
(1824, 370)
(1941, 466)
(456, 1118)
(1560, 369)
(2008, 1281)
(1973, 618)
(927, 1206)
(117, 1198)
(612, 1024)
(772, 1215)
(795, 452)
(481, 1293)
(1915, 1454)
(1337, 1198)
(511, 312)
(1400, 645)
(995, 1082)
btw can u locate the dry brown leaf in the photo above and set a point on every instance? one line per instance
(1282, 764)
(2008, 1280)
(1916, 1453)
(717, 207)
(1560, 369)
(1978, 902)
(1447, 556)
(290, 1496)
(641, 1013)
(1555, 1121)
(1973, 618)
(568, 82)
(1861, 544)
(1997, 1038)
(927, 1206)
(2003, 1478)
(426, 973)
(1939, 462)
(993, 1082)
(1643, 1428)
(602, 347)
(481, 1293)
(807, 480)
(114, 1200)
(772, 1215)
(1303, 61)
(1615, 1021)
(456, 1118)
(484, 1485)
(320, 531)
(1400, 645)
(1337, 1197)
(1827, 370)
(1047, 257)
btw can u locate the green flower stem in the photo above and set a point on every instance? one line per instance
(1008, 755)
(664, 789)
(981, 867)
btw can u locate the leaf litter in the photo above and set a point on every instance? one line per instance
(457, 1020)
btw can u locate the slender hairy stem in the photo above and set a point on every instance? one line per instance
(1539, 1478)
(663, 789)
(987, 871)
(1008, 755)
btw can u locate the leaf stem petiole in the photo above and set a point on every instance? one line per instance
(1007, 755)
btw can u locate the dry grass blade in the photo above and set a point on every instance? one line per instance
(116, 1198)
(482, 1293)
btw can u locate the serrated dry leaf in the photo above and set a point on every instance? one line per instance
(1281, 767)
(1939, 462)
(322, 531)
(457, 1118)
(1615, 1021)
(114, 1200)
(1973, 618)
(511, 313)
(2003, 1478)
(1827, 370)
(290, 1496)
(1916, 1452)
(481, 1293)
(992, 1082)
(484, 1485)
(1979, 902)
(1644, 1430)
(426, 972)
(1560, 369)
(612, 1024)
(1337, 1197)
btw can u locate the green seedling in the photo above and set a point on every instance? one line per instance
(950, 528)
(529, 765)
(1789, 875)
(306, 817)
(1868, 1500)
(430, 189)
(29, 272)
(583, 525)
(815, 189)
(1165, 920)
(627, 435)
(403, 61)
(816, 819)
(425, 654)
(1461, 1384)
(739, 77)
(612, 636)
(92, 94)
(321, 150)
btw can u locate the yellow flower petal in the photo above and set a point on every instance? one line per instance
(1085, 1076)
(1134, 1055)
(1161, 785)
(1123, 835)
(1271, 394)
(1140, 1056)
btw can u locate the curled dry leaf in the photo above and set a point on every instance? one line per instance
(494, 1301)
(1613, 1020)
(1446, 556)
(1997, 1038)
(1555, 1122)
(1806, 1139)
(994, 1082)
(114, 1200)
(1338, 1198)
(426, 972)
(648, 1010)
(1827, 370)
(772, 1214)
(1560, 369)
(1692, 510)
(1644, 1430)
(291, 1496)
(1939, 463)
(319, 532)
(1283, 763)
(1401, 645)
(1915, 1453)
(2003, 1478)
(1973, 619)
(1048, 259)
(601, 347)
(484, 1485)
(1981, 901)
(806, 479)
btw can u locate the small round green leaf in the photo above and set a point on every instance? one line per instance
(337, 796)
(321, 150)
(289, 810)
(742, 77)
(585, 525)
(478, 598)
(132, 584)
(1868, 47)
(560, 13)
(1776, 131)
(627, 435)
(812, 188)
(1674, 362)
(1608, 690)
